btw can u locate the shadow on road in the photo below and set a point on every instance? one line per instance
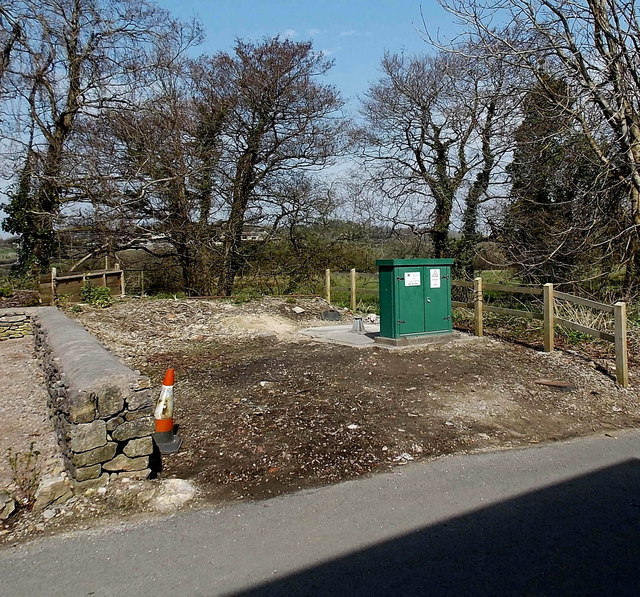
(579, 537)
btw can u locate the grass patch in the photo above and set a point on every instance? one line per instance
(6, 253)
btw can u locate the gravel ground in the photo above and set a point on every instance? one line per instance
(264, 410)
(25, 427)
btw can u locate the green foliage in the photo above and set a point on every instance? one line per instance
(246, 296)
(573, 336)
(25, 218)
(9, 284)
(98, 296)
(7, 253)
(25, 474)
(63, 299)
(368, 304)
(558, 192)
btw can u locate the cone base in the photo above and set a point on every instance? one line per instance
(167, 442)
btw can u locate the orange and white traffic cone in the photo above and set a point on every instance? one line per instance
(167, 442)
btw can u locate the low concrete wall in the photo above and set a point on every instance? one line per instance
(101, 409)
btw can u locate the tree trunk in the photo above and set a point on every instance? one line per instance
(440, 230)
(47, 205)
(631, 287)
(232, 242)
(231, 248)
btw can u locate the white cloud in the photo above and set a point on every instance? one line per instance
(313, 31)
(354, 33)
(289, 33)
(330, 51)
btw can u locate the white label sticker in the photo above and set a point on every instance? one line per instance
(412, 279)
(435, 278)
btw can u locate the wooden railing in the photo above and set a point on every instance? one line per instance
(549, 295)
(352, 289)
(70, 285)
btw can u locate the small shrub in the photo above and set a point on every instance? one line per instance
(6, 291)
(98, 296)
(573, 336)
(25, 474)
(246, 297)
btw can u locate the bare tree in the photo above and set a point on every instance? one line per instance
(279, 118)
(74, 59)
(592, 45)
(221, 143)
(10, 33)
(166, 152)
(430, 141)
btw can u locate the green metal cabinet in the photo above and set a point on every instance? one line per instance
(415, 297)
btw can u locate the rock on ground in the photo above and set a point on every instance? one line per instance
(171, 495)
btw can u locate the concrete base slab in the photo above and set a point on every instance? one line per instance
(418, 340)
(343, 334)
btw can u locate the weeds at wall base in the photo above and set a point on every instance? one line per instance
(25, 474)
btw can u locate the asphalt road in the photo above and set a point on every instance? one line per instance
(561, 519)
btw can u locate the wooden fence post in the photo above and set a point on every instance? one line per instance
(117, 267)
(353, 289)
(549, 340)
(620, 321)
(327, 285)
(478, 299)
(54, 272)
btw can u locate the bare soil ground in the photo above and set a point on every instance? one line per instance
(264, 410)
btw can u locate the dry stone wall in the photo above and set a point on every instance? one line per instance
(102, 410)
(14, 325)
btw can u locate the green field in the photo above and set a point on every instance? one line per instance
(7, 253)
(366, 285)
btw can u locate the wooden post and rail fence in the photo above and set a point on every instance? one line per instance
(352, 289)
(549, 318)
(71, 284)
(53, 286)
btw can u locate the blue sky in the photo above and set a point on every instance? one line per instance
(354, 33)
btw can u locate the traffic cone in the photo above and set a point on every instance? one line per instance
(166, 440)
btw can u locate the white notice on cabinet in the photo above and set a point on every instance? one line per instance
(412, 279)
(435, 278)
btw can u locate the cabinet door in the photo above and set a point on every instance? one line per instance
(410, 296)
(437, 297)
